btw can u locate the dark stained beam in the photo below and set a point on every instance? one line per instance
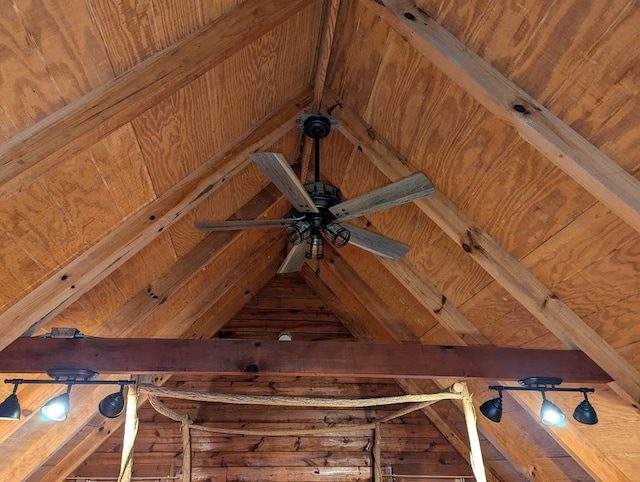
(298, 358)
(82, 123)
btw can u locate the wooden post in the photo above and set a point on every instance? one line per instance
(186, 452)
(477, 465)
(130, 431)
(377, 468)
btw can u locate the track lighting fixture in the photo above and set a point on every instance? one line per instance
(112, 405)
(550, 414)
(57, 409)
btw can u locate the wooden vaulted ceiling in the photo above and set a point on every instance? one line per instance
(123, 122)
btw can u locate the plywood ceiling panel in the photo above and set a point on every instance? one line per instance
(93, 230)
(52, 55)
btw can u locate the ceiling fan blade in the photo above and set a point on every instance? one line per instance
(376, 244)
(276, 167)
(294, 260)
(400, 192)
(244, 224)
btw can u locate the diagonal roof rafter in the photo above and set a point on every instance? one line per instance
(506, 270)
(563, 146)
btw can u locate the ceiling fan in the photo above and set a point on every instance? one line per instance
(318, 209)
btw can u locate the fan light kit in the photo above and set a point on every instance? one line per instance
(57, 409)
(318, 210)
(550, 414)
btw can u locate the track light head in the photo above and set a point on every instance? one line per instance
(10, 408)
(585, 413)
(57, 409)
(112, 405)
(550, 414)
(492, 409)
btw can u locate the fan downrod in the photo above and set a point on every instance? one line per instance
(317, 126)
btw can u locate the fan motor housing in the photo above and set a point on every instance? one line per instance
(324, 195)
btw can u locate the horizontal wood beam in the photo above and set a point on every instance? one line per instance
(84, 122)
(568, 150)
(297, 358)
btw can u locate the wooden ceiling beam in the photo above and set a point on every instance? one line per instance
(539, 300)
(330, 19)
(568, 150)
(84, 122)
(448, 316)
(126, 320)
(586, 453)
(67, 285)
(338, 275)
(296, 358)
(238, 277)
(232, 297)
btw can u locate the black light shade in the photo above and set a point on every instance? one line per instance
(585, 413)
(492, 409)
(57, 408)
(550, 414)
(10, 408)
(112, 405)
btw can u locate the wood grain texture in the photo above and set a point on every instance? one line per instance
(52, 55)
(299, 358)
(537, 298)
(605, 179)
(116, 248)
(376, 244)
(276, 168)
(399, 192)
(106, 108)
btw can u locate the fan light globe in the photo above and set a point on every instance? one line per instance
(315, 248)
(57, 408)
(298, 232)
